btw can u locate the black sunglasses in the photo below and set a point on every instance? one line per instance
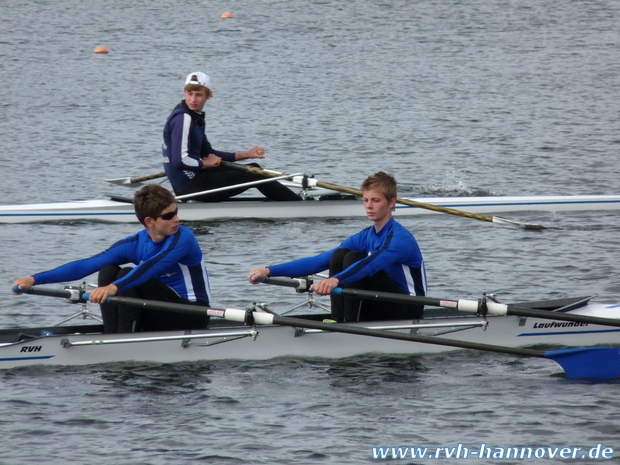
(168, 216)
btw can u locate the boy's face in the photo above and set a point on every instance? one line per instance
(167, 222)
(196, 99)
(378, 207)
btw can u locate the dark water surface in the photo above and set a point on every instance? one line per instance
(452, 97)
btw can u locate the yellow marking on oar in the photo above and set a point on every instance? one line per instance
(131, 182)
(411, 203)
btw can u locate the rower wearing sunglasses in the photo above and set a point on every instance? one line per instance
(169, 267)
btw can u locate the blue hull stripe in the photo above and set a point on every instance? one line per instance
(565, 333)
(13, 359)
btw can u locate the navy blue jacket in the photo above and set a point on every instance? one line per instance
(185, 144)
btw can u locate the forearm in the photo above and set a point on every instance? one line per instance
(254, 152)
(226, 156)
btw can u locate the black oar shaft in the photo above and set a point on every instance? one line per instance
(514, 310)
(83, 297)
(578, 363)
(361, 331)
(300, 323)
(340, 328)
(159, 305)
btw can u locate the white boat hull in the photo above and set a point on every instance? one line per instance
(239, 342)
(122, 212)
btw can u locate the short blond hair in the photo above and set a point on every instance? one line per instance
(383, 182)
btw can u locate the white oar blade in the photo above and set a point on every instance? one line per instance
(124, 182)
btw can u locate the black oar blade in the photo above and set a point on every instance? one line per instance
(588, 362)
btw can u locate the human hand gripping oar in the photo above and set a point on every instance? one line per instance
(310, 182)
(591, 362)
(135, 182)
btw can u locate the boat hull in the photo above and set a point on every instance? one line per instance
(117, 211)
(226, 341)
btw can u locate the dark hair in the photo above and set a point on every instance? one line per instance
(151, 200)
(385, 183)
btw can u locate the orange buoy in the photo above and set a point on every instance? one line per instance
(101, 50)
(227, 15)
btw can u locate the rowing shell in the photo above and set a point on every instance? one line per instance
(85, 344)
(121, 210)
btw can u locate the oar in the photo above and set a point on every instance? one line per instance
(133, 182)
(310, 182)
(577, 363)
(227, 188)
(483, 306)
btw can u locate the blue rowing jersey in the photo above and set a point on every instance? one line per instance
(176, 261)
(185, 145)
(393, 250)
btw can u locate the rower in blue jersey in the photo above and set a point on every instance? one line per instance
(384, 257)
(169, 267)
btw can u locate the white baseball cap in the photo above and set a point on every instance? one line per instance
(199, 78)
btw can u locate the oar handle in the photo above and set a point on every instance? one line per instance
(386, 296)
(481, 307)
(74, 295)
(366, 331)
(250, 169)
(300, 284)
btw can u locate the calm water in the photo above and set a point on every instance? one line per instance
(452, 97)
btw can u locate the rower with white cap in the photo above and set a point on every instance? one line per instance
(191, 163)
